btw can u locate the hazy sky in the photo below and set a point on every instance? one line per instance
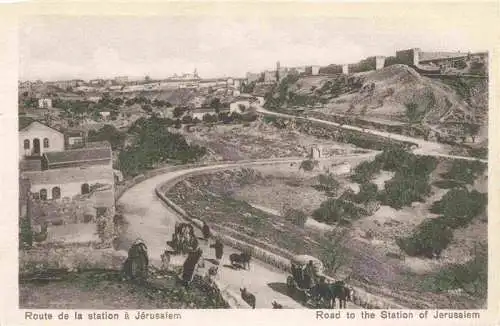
(63, 48)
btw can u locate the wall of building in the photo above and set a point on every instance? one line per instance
(235, 106)
(70, 189)
(408, 57)
(38, 131)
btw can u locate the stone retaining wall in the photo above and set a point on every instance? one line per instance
(70, 257)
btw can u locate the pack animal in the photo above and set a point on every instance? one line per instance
(329, 292)
(240, 260)
(248, 297)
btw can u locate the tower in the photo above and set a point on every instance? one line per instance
(277, 70)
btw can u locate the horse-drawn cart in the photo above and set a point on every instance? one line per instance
(305, 272)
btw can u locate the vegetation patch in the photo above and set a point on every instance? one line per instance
(106, 289)
(154, 144)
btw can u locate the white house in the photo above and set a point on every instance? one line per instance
(35, 138)
(44, 103)
(104, 114)
(200, 113)
(239, 106)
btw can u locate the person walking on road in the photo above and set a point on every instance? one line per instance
(219, 250)
(206, 231)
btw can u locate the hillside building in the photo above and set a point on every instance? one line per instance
(36, 138)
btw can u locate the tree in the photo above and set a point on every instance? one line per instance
(429, 239)
(472, 130)
(332, 251)
(308, 165)
(295, 216)
(412, 112)
(108, 133)
(216, 104)
(179, 111)
(328, 184)
(187, 119)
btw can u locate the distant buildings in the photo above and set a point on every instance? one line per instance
(121, 80)
(44, 103)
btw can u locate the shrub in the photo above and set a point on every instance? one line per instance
(296, 216)
(429, 239)
(328, 184)
(308, 165)
(364, 172)
(459, 206)
(401, 191)
(337, 211)
(465, 171)
(472, 276)
(368, 192)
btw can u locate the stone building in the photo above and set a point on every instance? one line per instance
(36, 138)
(67, 186)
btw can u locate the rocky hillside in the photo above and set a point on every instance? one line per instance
(395, 93)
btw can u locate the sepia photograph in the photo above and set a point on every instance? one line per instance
(249, 162)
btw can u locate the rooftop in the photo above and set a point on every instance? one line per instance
(69, 175)
(79, 155)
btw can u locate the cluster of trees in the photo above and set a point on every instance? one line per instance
(223, 117)
(108, 133)
(338, 210)
(153, 145)
(456, 209)
(410, 183)
(471, 277)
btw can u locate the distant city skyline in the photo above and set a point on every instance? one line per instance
(62, 48)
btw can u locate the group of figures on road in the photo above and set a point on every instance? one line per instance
(307, 282)
(184, 242)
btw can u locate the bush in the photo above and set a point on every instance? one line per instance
(364, 172)
(328, 184)
(465, 171)
(401, 191)
(337, 211)
(367, 193)
(429, 240)
(296, 216)
(308, 165)
(472, 276)
(459, 206)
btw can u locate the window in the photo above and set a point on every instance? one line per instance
(45, 143)
(85, 188)
(43, 194)
(26, 144)
(56, 193)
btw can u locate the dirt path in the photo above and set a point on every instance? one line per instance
(150, 219)
(424, 147)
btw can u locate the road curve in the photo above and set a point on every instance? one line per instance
(150, 219)
(424, 147)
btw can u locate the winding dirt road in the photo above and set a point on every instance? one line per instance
(150, 219)
(424, 147)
